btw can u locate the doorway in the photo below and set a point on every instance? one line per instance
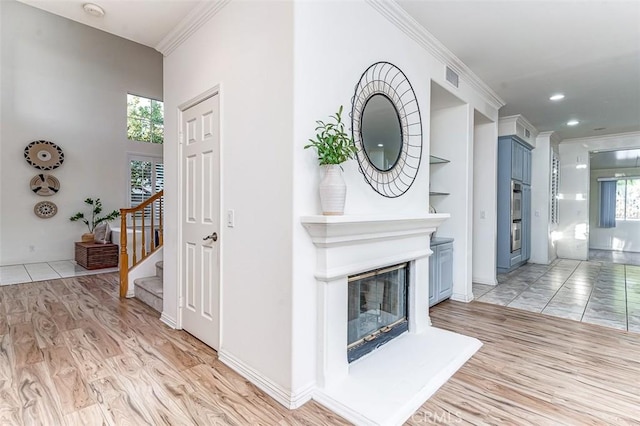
(200, 218)
(614, 206)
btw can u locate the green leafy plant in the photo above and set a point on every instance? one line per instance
(96, 209)
(333, 144)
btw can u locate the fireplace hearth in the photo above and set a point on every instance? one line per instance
(377, 310)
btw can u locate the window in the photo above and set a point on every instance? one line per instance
(555, 186)
(628, 199)
(146, 177)
(145, 119)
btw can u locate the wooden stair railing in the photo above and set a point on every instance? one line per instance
(139, 213)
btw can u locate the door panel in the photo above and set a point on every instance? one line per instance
(201, 220)
(445, 269)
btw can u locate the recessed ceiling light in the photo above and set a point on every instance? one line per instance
(93, 10)
(381, 145)
(556, 97)
(573, 123)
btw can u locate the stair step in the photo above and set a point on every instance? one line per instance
(151, 284)
(149, 291)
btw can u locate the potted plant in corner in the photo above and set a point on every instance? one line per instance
(334, 146)
(96, 209)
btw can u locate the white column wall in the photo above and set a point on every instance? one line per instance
(485, 174)
(542, 245)
(573, 207)
(321, 85)
(246, 48)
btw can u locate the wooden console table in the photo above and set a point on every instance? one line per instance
(96, 256)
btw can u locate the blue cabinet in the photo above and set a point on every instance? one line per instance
(514, 175)
(440, 270)
(517, 160)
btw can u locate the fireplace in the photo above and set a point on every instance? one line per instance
(388, 384)
(377, 309)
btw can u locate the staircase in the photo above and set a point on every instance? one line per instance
(149, 289)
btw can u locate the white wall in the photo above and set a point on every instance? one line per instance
(67, 83)
(573, 207)
(542, 245)
(485, 174)
(626, 234)
(364, 38)
(451, 138)
(246, 49)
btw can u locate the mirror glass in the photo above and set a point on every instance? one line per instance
(381, 132)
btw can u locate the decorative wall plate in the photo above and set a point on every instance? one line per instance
(44, 155)
(45, 184)
(45, 209)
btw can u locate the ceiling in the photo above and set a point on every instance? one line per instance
(143, 21)
(525, 50)
(615, 159)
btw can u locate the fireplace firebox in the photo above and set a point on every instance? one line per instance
(377, 310)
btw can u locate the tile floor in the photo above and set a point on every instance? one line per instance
(14, 274)
(596, 292)
(628, 258)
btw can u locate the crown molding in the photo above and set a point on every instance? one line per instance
(406, 23)
(519, 118)
(552, 135)
(610, 136)
(191, 23)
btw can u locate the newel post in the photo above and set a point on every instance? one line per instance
(124, 256)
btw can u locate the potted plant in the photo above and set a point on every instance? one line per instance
(96, 209)
(333, 146)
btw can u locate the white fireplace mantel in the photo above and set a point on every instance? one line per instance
(332, 230)
(369, 391)
(379, 240)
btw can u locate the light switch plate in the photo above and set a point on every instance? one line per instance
(231, 218)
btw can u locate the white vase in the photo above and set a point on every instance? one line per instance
(333, 191)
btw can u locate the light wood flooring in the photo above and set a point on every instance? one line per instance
(72, 353)
(537, 370)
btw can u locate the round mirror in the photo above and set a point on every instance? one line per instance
(381, 132)
(386, 129)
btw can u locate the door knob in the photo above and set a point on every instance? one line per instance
(213, 237)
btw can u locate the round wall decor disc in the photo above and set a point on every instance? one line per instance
(45, 209)
(44, 155)
(45, 184)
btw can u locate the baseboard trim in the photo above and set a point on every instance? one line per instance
(459, 297)
(485, 280)
(288, 399)
(341, 409)
(171, 322)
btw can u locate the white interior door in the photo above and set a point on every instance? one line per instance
(201, 221)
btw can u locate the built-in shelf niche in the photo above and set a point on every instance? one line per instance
(437, 160)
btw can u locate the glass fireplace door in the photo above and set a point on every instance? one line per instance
(377, 304)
